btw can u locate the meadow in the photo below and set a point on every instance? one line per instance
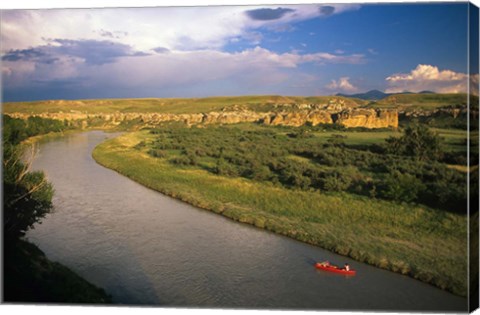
(263, 103)
(167, 105)
(428, 101)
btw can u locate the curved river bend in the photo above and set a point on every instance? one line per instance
(145, 248)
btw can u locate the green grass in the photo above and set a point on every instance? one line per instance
(167, 105)
(422, 101)
(363, 138)
(424, 243)
(454, 139)
(253, 102)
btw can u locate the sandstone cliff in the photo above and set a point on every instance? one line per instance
(349, 117)
(299, 118)
(368, 118)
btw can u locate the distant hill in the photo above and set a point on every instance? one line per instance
(376, 95)
(373, 95)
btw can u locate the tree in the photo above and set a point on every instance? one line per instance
(27, 196)
(418, 142)
(13, 130)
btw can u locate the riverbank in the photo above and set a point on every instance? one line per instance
(409, 239)
(30, 277)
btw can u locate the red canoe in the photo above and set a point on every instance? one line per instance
(335, 269)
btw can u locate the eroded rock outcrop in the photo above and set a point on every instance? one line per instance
(368, 118)
(299, 118)
(349, 117)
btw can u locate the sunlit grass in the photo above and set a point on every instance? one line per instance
(166, 105)
(427, 244)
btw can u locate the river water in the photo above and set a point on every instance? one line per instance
(145, 248)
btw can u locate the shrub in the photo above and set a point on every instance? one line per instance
(181, 160)
(418, 142)
(336, 181)
(157, 153)
(401, 187)
(222, 167)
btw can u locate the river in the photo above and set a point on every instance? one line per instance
(145, 248)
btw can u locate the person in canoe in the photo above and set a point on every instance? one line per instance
(346, 267)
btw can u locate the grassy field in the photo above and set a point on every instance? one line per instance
(422, 101)
(454, 139)
(424, 243)
(167, 105)
(207, 104)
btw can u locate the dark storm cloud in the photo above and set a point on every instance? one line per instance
(327, 10)
(94, 52)
(23, 54)
(266, 14)
(48, 89)
(161, 50)
(60, 83)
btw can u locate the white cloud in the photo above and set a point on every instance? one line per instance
(99, 48)
(255, 68)
(342, 85)
(184, 28)
(428, 77)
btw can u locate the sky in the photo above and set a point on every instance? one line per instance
(314, 49)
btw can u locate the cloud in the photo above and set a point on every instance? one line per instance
(161, 50)
(201, 72)
(92, 51)
(428, 77)
(23, 54)
(143, 29)
(6, 71)
(114, 34)
(342, 85)
(324, 58)
(104, 33)
(253, 38)
(266, 14)
(326, 10)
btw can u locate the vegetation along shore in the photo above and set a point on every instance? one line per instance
(29, 275)
(314, 187)
(380, 181)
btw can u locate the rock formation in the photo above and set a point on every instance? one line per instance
(368, 118)
(299, 118)
(349, 117)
